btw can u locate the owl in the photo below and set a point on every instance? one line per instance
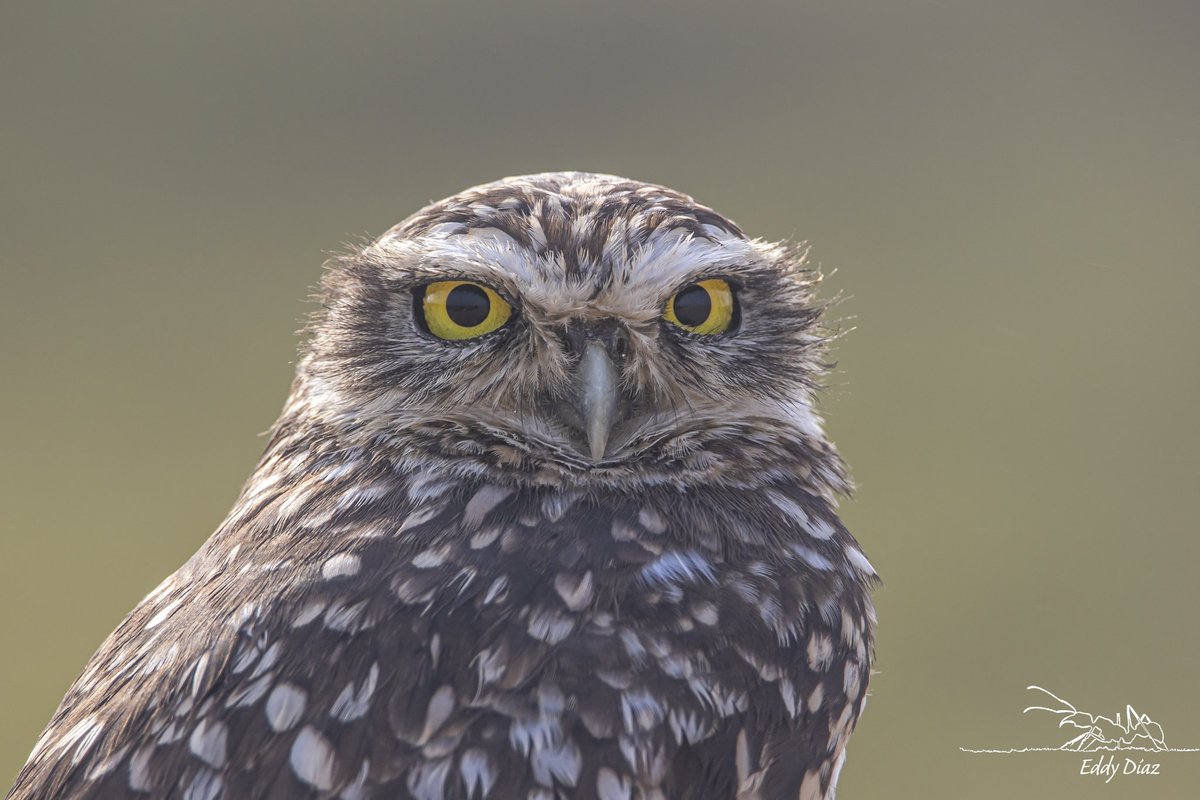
(549, 513)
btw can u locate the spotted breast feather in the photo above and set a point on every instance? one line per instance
(483, 649)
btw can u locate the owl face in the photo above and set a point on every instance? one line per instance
(581, 323)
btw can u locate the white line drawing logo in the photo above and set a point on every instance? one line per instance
(1131, 731)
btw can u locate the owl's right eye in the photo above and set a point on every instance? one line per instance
(457, 310)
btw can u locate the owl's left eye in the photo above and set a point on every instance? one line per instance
(705, 307)
(458, 310)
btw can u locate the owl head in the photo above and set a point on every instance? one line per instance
(569, 326)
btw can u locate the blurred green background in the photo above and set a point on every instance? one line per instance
(1009, 193)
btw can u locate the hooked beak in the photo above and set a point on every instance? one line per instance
(598, 395)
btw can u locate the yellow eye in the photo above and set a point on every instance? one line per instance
(462, 310)
(705, 307)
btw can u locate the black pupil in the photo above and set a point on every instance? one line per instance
(467, 305)
(693, 305)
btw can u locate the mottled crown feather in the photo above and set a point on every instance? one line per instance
(572, 213)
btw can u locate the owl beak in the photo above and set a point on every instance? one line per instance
(598, 394)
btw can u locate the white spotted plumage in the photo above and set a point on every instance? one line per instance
(285, 706)
(431, 588)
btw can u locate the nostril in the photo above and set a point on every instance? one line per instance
(615, 337)
(620, 343)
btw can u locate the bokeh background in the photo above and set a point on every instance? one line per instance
(1007, 194)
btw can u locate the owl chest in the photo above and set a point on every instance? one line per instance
(615, 611)
(516, 585)
(675, 640)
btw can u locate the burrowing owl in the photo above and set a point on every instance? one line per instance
(548, 514)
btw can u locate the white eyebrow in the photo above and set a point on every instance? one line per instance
(641, 279)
